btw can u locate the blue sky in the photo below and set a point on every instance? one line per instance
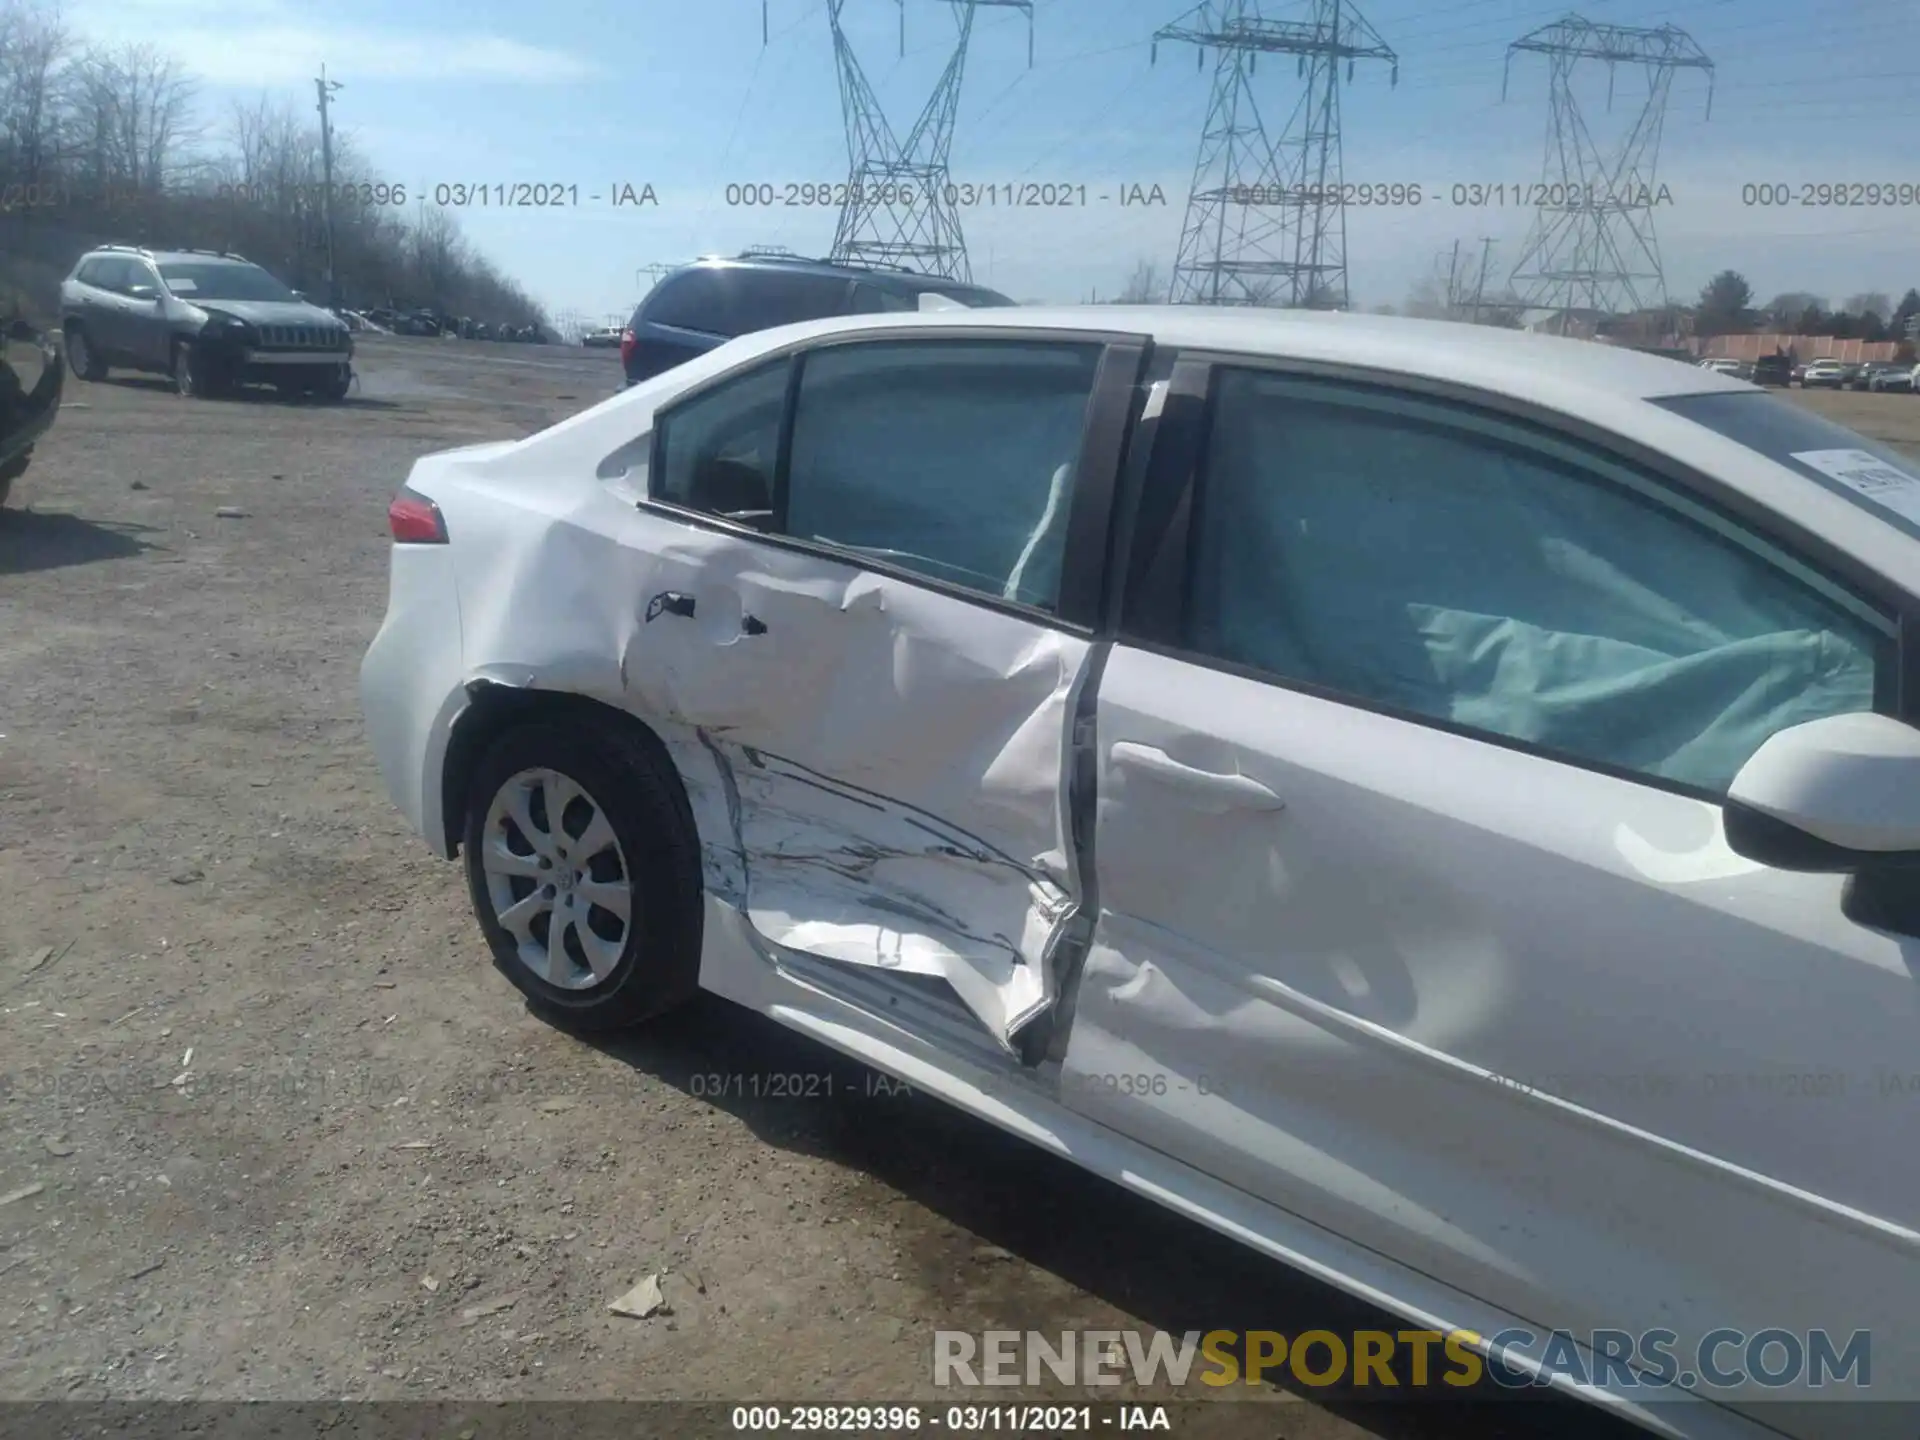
(684, 97)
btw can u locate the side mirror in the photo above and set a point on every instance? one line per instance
(1838, 796)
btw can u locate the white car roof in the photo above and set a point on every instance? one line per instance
(1514, 362)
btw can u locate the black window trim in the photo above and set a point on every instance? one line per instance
(1156, 579)
(1111, 410)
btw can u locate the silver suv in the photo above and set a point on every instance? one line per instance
(210, 320)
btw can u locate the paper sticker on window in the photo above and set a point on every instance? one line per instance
(1870, 476)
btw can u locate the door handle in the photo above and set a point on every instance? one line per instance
(1217, 792)
(669, 602)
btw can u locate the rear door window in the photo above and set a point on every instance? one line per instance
(694, 300)
(952, 459)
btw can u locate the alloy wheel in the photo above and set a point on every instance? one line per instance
(557, 878)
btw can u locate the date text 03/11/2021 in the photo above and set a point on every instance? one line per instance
(450, 194)
(541, 195)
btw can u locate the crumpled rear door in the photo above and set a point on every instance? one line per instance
(896, 760)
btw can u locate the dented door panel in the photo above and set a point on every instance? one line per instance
(895, 757)
(1533, 1030)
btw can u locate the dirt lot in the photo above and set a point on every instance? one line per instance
(287, 1135)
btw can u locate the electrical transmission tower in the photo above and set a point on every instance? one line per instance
(1592, 245)
(1265, 224)
(898, 209)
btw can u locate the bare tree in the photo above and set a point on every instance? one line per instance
(1144, 286)
(1787, 308)
(1870, 302)
(1427, 300)
(436, 250)
(155, 113)
(116, 132)
(34, 45)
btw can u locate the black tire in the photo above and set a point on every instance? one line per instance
(81, 359)
(189, 371)
(334, 391)
(634, 784)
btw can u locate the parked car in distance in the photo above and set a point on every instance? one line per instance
(1771, 370)
(1886, 375)
(606, 337)
(1824, 374)
(1722, 365)
(210, 320)
(1016, 699)
(31, 377)
(703, 305)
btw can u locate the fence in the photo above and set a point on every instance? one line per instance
(1801, 347)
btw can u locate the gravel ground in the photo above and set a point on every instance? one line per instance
(283, 1132)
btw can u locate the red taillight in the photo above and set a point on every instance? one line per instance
(626, 345)
(416, 520)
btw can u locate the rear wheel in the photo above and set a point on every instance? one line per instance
(584, 871)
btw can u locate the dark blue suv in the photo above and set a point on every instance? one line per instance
(709, 303)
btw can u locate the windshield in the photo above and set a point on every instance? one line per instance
(214, 280)
(1874, 476)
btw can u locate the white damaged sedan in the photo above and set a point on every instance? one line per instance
(1440, 805)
